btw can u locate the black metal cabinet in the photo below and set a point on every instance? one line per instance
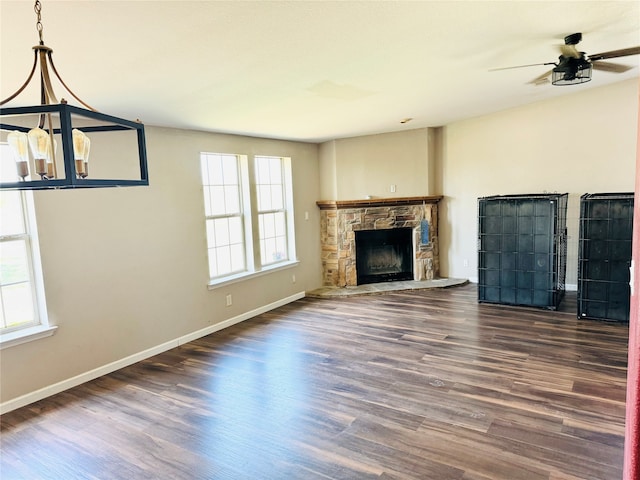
(522, 249)
(604, 257)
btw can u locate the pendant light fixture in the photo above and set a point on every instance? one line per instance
(117, 146)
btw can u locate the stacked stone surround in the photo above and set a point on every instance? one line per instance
(339, 220)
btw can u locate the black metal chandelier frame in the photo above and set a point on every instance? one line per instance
(90, 121)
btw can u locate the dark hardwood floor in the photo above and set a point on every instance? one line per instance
(418, 385)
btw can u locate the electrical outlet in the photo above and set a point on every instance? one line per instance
(393, 189)
(306, 215)
(229, 300)
(293, 278)
(465, 263)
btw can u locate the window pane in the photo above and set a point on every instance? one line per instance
(277, 200)
(211, 233)
(231, 199)
(220, 182)
(269, 225)
(214, 168)
(17, 303)
(264, 252)
(221, 227)
(217, 200)
(270, 250)
(8, 170)
(213, 263)
(264, 197)
(280, 227)
(14, 262)
(237, 257)
(269, 183)
(11, 219)
(230, 169)
(207, 202)
(236, 232)
(273, 239)
(281, 248)
(262, 170)
(275, 170)
(223, 258)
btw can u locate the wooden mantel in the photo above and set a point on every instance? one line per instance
(376, 202)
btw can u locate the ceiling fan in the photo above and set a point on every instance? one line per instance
(574, 67)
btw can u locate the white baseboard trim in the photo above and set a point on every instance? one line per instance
(45, 392)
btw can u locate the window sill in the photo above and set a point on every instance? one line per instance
(213, 284)
(25, 335)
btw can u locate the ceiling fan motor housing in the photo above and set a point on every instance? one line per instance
(573, 39)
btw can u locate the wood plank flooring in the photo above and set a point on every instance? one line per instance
(414, 385)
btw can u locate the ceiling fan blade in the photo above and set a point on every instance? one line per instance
(570, 51)
(611, 67)
(623, 52)
(520, 66)
(541, 79)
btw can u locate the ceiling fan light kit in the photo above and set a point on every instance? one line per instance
(79, 131)
(571, 71)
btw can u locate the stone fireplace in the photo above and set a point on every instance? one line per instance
(344, 223)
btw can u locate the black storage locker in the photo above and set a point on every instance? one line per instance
(604, 256)
(522, 249)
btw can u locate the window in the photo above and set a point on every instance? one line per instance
(272, 214)
(16, 285)
(224, 215)
(21, 292)
(246, 204)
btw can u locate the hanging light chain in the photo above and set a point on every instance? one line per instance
(38, 9)
(43, 56)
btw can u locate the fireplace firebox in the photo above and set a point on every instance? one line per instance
(384, 255)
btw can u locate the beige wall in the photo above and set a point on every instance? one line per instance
(580, 143)
(353, 168)
(125, 269)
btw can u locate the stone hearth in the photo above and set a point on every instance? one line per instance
(339, 220)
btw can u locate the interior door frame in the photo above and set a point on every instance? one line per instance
(632, 425)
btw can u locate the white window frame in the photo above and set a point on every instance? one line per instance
(286, 209)
(39, 327)
(243, 200)
(249, 211)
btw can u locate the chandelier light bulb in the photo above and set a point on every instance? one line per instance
(40, 144)
(87, 149)
(81, 146)
(78, 144)
(53, 147)
(18, 142)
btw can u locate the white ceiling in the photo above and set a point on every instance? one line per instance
(308, 70)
